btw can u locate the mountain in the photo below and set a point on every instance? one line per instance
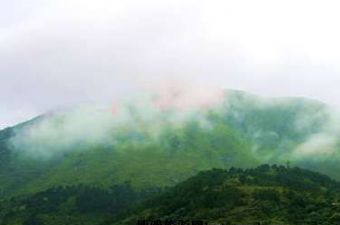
(263, 195)
(153, 145)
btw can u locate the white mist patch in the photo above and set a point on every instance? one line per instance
(65, 131)
(185, 96)
(317, 145)
(325, 143)
(91, 125)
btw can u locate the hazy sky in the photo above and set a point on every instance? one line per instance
(58, 53)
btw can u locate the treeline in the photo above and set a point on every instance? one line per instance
(78, 204)
(264, 195)
(268, 194)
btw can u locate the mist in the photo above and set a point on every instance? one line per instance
(96, 69)
(144, 117)
(322, 144)
(90, 125)
(56, 54)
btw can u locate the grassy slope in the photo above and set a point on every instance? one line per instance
(244, 132)
(178, 154)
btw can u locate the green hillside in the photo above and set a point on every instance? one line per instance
(264, 195)
(176, 154)
(148, 149)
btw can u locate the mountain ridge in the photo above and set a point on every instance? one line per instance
(243, 131)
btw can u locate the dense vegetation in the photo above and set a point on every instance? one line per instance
(72, 205)
(265, 195)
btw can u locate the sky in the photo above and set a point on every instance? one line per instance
(57, 53)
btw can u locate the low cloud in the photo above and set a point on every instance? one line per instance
(61, 53)
(319, 145)
(88, 125)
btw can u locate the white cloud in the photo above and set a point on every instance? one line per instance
(55, 53)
